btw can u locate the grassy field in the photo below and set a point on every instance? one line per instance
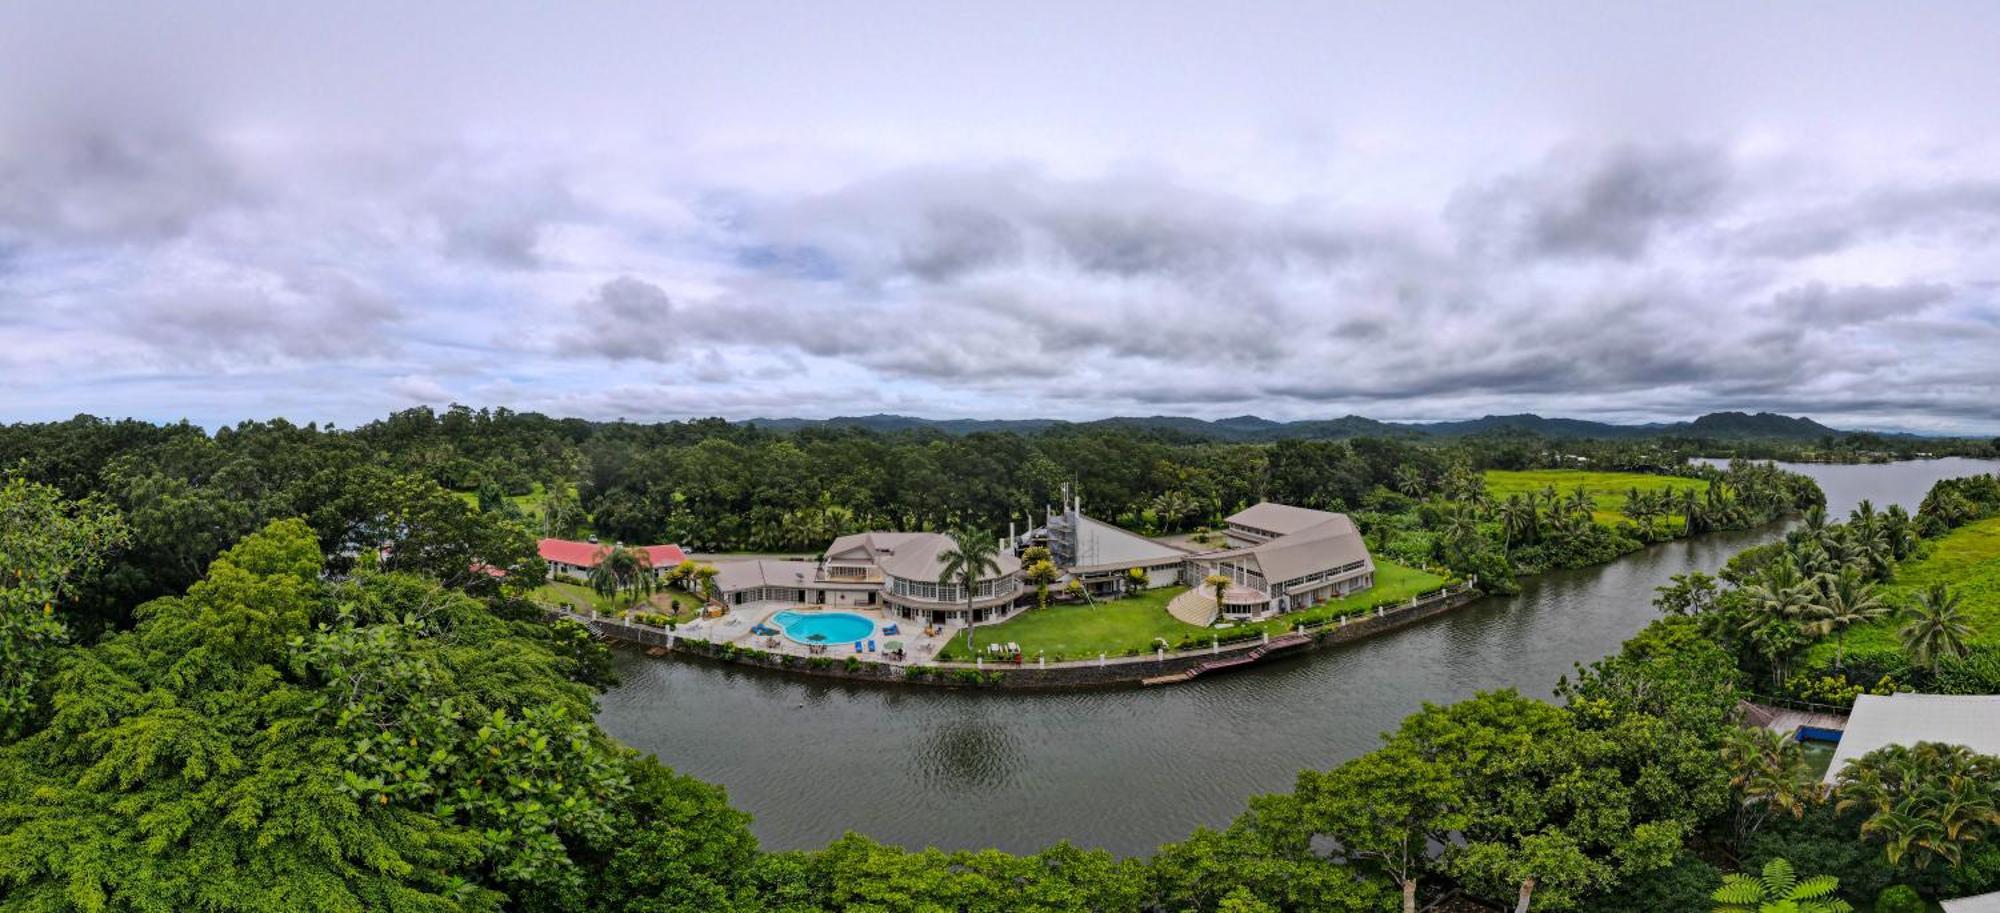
(530, 506)
(1968, 561)
(683, 606)
(1118, 626)
(1607, 489)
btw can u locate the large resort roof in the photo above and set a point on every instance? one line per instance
(731, 576)
(1101, 546)
(1906, 719)
(1308, 541)
(911, 556)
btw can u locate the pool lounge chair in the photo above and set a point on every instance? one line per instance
(891, 631)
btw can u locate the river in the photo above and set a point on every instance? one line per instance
(1128, 770)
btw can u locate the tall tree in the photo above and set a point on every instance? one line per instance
(623, 572)
(1840, 602)
(1386, 807)
(46, 544)
(1936, 628)
(972, 557)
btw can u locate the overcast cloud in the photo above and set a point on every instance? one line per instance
(240, 210)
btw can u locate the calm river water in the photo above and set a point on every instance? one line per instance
(1128, 770)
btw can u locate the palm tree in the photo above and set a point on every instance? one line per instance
(1842, 601)
(623, 570)
(1900, 532)
(1770, 774)
(1936, 629)
(1779, 593)
(1518, 520)
(1694, 518)
(1409, 481)
(1778, 890)
(1461, 528)
(1924, 801)
(1220, 585)
(973, 556)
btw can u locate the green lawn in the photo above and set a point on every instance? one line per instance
(1967, 560)
(1076, 631)
(684, 605)
(1607, 489)
(1119, 626)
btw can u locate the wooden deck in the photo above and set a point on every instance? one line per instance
(1788, 719)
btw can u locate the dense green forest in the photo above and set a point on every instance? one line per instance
(714, 486)
(279, 737)
(255, 671)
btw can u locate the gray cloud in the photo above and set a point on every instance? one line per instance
(1595, 204)
(625, 318)
(255, 317)
(1597, 225)
(88, 184)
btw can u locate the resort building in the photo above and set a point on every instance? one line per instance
(897, 572)
(1879, 721)
(1279, 559)
(1285, 558)
(1099, 555)
(791, 583)
(577, 559)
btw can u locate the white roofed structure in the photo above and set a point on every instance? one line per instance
(1984, 903)
(1906, 719)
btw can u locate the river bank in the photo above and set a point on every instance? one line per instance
(1129, 769)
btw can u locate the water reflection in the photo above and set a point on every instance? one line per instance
(1129, 770)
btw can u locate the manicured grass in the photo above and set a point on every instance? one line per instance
(681, 605)
(1968, 561)
(1607, 489)
(1076, 631)
(1117, 627)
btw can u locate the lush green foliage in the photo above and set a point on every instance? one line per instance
(1778, 889)
(46, 545)
(342, 711)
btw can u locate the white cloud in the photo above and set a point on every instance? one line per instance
(1638, 215)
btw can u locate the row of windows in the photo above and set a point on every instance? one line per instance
(932, 591)
(1348, 568)
(769, 594)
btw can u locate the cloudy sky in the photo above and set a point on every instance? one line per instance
(1404, 210)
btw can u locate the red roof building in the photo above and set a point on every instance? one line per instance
(565, 556)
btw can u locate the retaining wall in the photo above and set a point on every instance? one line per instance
(1110, 672)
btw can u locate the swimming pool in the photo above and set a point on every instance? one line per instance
(832, 627)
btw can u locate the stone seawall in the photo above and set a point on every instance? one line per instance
(1159, 668)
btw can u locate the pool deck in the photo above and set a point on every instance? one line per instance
(734, 628)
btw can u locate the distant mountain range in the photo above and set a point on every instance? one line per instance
(1720, 426)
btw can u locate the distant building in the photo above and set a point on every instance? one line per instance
(1286, 558)
(577, 559)
(1906, 719)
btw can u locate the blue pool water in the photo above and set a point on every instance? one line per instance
(834, 627)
